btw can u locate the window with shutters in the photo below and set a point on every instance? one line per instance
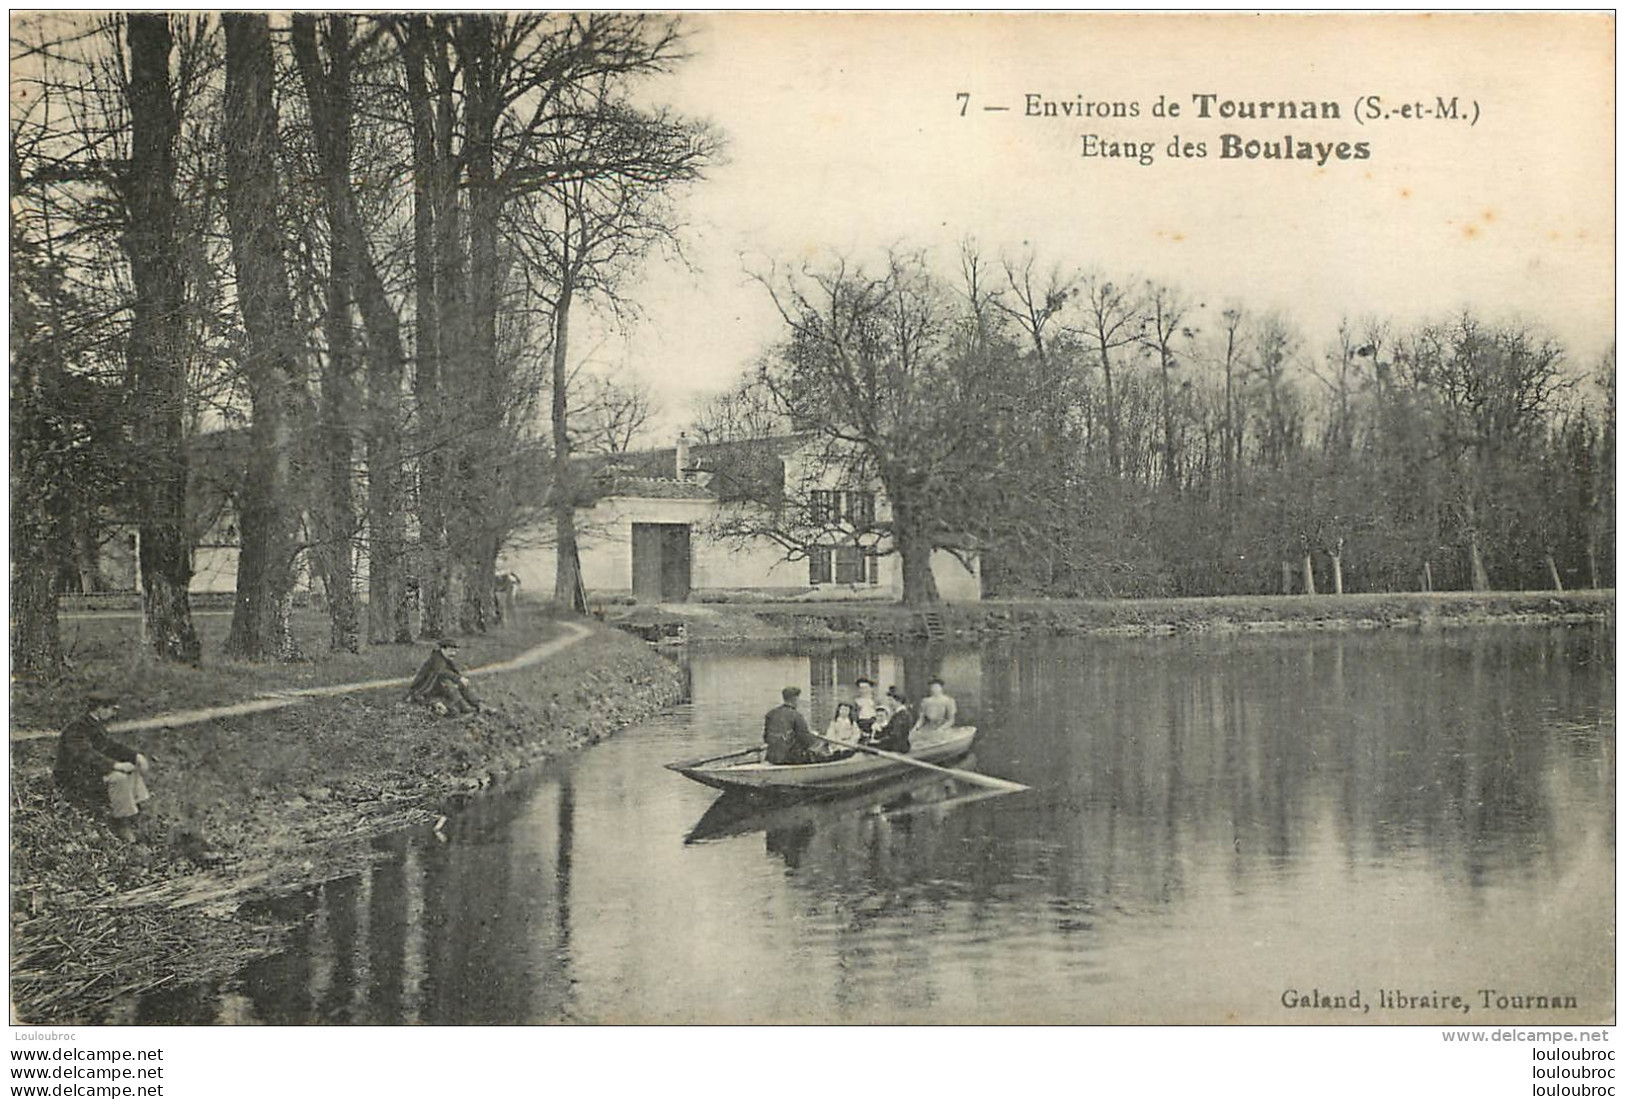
(826, 506)
(860, 509)
(818, 565)
(849, 565)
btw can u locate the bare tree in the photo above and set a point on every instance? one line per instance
(1111, 315)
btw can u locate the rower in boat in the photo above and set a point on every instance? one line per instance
(786, 734)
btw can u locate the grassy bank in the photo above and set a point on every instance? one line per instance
(105, 652)
(858, 621)
(258, 804)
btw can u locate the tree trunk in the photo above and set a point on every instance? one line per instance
(479, 441)
(440, 511)
(1551, 569)
(36, 640)
(327, 89)
(1427, 576)
(389, 616)
(566, 574)
(1114, 453)
(1286, 578)
(1308, 574)
(1170, 455)
(260, 623)
(1475, 557)
(432, 215)
(156, 362)
(1337, 573)
(914, 547)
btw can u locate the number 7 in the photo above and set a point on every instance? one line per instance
(964, 102)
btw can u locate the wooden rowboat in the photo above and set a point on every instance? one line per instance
(747, 770)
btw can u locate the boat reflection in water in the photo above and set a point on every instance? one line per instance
(791, 822)
(1213, 821)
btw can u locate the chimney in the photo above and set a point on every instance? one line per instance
(682, 456)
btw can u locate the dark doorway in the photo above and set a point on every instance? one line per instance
(661, 562)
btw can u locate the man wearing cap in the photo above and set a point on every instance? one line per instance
(441, 683)
(94, 767)
(786, 734)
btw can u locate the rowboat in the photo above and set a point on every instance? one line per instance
(747, 770)
(742, 812)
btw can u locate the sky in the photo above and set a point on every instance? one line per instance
(846, 134)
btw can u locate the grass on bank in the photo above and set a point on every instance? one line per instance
(106, 653)
(261, 803)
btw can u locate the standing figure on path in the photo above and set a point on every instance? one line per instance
(938, 710)
(785, 732)
(505, 597)
(99, 770)
(440, 683)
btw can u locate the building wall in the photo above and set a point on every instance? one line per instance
(214, 569)
(956, 582)
(605, 538)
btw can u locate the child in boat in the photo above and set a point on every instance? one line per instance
(878, 726)
(842, 727)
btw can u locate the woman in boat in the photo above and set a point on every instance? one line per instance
(938, 710)
(863, 706)
(842, 728)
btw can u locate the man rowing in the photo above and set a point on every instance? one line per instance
(786, 734)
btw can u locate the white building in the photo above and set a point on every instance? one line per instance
(657, 531)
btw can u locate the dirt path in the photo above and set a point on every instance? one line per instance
(295, 696)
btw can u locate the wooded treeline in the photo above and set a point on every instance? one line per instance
(1103, 435)
(347, 246)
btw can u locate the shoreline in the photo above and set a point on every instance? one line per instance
(727, 624)
(261, 804)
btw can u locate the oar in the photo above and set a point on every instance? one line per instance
(963, 776)
(712, 759)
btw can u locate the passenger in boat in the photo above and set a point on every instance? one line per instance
(841, 729)
(937, 709)
(863, 706)
(441, 684)
(786, 734)
(893, 737)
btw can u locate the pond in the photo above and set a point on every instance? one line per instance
(1395, 826)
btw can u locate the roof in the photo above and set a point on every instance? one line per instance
(660, 488)
(743, 469)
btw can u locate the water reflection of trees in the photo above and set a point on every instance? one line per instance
(1161, 768)
(1156, 759)
(471, 929)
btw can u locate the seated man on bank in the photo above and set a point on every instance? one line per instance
(786, 734)
(440, 683)
(96, 769)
